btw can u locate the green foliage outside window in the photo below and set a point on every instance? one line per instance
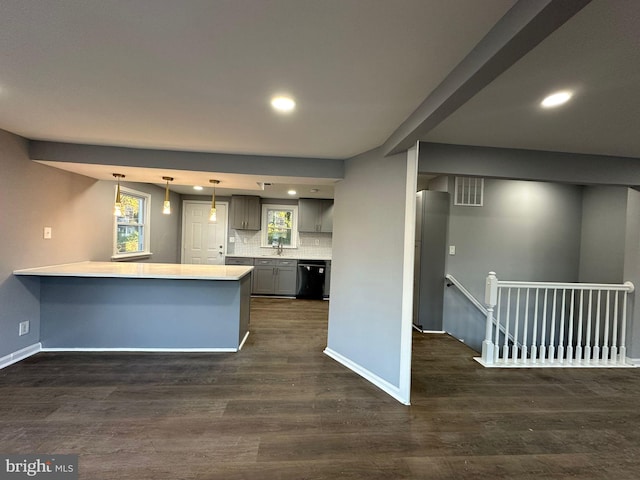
(279, 227)
(130, 232)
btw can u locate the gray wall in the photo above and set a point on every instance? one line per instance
(632, 269)
(78, 208)
(165, 229)
(32, 197)
(366, 277)
(602, 247)
(510, 163)
(525, 231)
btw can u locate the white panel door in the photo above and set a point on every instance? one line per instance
(204, 242)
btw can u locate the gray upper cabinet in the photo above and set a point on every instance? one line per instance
(245, 212)
(315, 215)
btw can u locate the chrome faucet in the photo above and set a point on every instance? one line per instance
(279, 247)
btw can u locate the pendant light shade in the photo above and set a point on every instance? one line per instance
(117, 207)
(212, 212)
(166, 206)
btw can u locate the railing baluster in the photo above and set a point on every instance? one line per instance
(614, 333)
(587, 347)
(525, 329)
(496, 344)
(552, 339)
(543, 334)
(596, 337)
(570, 339)
(579, 335)
(623, 331)
(514, 347)
(605, 338)
(505, 347)
(561, 334)
(534, 335)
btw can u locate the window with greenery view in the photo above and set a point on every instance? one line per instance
(131, 236)
(280, 225)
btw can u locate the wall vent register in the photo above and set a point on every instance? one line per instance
(469, 191)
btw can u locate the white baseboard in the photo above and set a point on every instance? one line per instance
(634, 361)
(243, 340)
(20, 355)
(381, 383)
(149, 350)
(629, 364)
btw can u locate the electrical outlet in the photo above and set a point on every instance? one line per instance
(452, 249)
(47, 233)
(23, 328)
(317, 242)
(232, 239)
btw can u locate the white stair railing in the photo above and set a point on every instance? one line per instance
(454, 281)
(543, 324)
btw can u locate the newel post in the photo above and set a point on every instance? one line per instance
(490, 300)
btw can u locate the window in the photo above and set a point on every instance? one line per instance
(280, 224)
(131, 231)
(469, 191)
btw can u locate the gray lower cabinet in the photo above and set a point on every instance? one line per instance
(274, 277)
(238, 261)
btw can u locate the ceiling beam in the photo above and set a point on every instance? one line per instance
(186, 160)
(518, 32)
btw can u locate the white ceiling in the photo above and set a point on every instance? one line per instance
(198, 76)
(597, 54)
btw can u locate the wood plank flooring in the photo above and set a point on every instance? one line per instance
(281, 409)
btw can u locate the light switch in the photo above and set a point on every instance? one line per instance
(452, 249)
(232, 239)
(47, 233)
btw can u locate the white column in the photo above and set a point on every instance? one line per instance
(490, 300)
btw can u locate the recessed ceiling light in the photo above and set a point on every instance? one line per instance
(283, 104)
(197, 187)
(292, 192)
(557, 99)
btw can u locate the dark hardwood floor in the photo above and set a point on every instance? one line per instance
(281, 409)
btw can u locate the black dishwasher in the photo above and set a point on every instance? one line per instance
(311, 279)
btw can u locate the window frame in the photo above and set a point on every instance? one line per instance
(264, 234)
(146, 226)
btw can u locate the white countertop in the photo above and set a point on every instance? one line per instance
(284, 257)
(140, 270)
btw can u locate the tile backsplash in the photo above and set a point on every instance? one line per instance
(309, 244)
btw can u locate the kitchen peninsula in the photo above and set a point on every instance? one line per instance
(123, 306)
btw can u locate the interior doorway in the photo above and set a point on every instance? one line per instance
(203, 242)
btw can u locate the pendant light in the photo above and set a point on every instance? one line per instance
(166, 206)
(117, 207)
(212, 212)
